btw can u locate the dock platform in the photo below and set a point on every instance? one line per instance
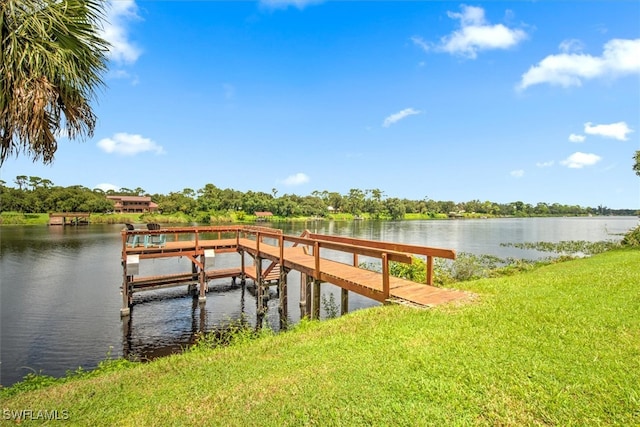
(282, 253)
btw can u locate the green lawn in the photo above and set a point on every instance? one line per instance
(559, 345)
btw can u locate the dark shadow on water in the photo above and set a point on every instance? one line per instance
(166, 322)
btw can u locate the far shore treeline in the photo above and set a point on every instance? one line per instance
(32, 195)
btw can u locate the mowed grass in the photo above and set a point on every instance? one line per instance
(559, 345)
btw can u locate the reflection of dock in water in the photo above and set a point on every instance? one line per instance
(142, 341)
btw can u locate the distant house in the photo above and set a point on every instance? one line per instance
(133, 204)
(263, 216)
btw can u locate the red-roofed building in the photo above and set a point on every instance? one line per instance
(135, 204)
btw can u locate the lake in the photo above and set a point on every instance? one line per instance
(60, 298)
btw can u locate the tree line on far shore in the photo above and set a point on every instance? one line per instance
(37, 195)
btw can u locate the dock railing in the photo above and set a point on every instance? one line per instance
(311, 242)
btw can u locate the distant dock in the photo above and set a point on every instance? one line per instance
(69, 218)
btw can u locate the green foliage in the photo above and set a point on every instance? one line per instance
(571, 248)
(330, 306)
(469, 266)
(52, 59)
(211, 204)
(37, 380)
(632, 238)
(235, 333)
(416, 271)
(32, 381)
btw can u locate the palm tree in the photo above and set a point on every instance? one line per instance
(51, 61)
(636, 165)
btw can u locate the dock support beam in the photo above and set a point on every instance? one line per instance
(243, 277)
(191, 288)
(344, 301)
(261, 299)
(316, 300)
(125, 311)
(203, 281)
(282, 292)
(305, 306)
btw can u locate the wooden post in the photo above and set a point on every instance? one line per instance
(344, 302)
(259, 286)
(316, 255)
(191, 288)
(282, 290)
(303, 295)
(316, 300)
(430, 270)
(125, 310)
(309, 281)
(203, 282)
(385, 276)
(243, 277)
(126, 296)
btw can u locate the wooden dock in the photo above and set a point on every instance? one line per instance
(308, 254)
(69, 218)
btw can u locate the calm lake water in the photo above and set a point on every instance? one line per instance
(60, 298)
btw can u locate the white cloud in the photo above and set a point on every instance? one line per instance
(129, 145)
(571, 46)
(545, 164)
(475, 35)
(419, 41)
(579, 160)
(517, 173)
(296, 179)
(576, 138)
(396, 117)
(619, 57)
(114, 30)
(106, 187)
(617, 130)
(283, 4)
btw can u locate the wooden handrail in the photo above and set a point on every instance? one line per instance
(386, 251)
(398, 247)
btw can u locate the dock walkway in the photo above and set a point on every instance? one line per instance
(305, 254)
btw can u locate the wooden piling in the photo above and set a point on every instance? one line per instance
(316, 300)
(344, 301)
(308, 284)
(202, 280)
(259, 287)
(243, 278)
(282, 291)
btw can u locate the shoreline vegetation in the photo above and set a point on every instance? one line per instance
(32, 196)
(19, 218)
(555, 344)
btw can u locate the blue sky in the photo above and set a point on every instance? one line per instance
(500, 101)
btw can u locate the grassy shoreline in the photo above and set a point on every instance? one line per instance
(18, 218)
(556, 345)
